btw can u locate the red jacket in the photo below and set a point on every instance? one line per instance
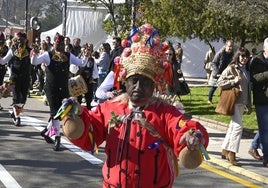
(135, 158)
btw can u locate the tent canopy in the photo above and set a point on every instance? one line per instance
(82, 22)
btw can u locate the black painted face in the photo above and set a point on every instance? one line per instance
(140, 89)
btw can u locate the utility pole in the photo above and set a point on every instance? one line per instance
(133, 13)
(64, 12)
(7, 12)
(26, 17)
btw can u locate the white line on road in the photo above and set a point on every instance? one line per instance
(7, 179)
(39, 125)
(10, 182)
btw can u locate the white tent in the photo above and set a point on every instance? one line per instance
(194, 52)
(83, 22)
(51, 32)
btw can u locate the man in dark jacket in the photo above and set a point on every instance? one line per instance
(219, 63)
(3, 52)
(57, 65)
(117, 51)
(259, 78)
(19, 58)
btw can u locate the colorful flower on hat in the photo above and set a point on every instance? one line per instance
(117, 59)
(126, 52)
(145, 55)
(123, 73)
(136, 37)
(126, 43)
(165, 46)
(147, 29)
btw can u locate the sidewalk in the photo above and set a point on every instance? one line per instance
(250, 167)
(196, 81)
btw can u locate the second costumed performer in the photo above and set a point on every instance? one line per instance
(57, 63)
(144, 134)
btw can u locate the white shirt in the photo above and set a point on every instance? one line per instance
(95, 72)
(7, 57)
(103, 90)
(37, 60)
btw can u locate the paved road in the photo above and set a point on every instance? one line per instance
(27, 161)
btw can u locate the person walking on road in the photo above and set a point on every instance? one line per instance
(219, 63)
(3, 52)
(57, 64)
(236, 74)
(255, 145)
(18, 57)
(259, 78)
(143, 135)
(208, 59)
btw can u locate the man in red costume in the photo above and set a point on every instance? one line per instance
(144, 134)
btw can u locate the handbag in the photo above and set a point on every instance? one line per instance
(183, 88)
(227, 100)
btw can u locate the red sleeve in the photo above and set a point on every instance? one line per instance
(96, 126)
(186, 125)
(84, 141)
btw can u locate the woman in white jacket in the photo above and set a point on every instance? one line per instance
(236, 74)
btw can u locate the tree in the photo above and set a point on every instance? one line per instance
(52, 15)
(51, 9)
(243, 21)
(119, 21)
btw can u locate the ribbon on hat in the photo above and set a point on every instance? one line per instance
(150, 40)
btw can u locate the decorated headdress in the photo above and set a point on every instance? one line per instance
(143, 54)
(59, 39)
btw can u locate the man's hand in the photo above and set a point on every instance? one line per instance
(191, 139)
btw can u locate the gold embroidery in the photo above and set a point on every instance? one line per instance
(59, 57)
(21, 52)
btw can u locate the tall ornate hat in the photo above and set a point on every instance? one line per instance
(143, 54)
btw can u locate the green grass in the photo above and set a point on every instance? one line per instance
(196, 104)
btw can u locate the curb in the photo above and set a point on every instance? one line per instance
(239, 170)
(223, 127)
